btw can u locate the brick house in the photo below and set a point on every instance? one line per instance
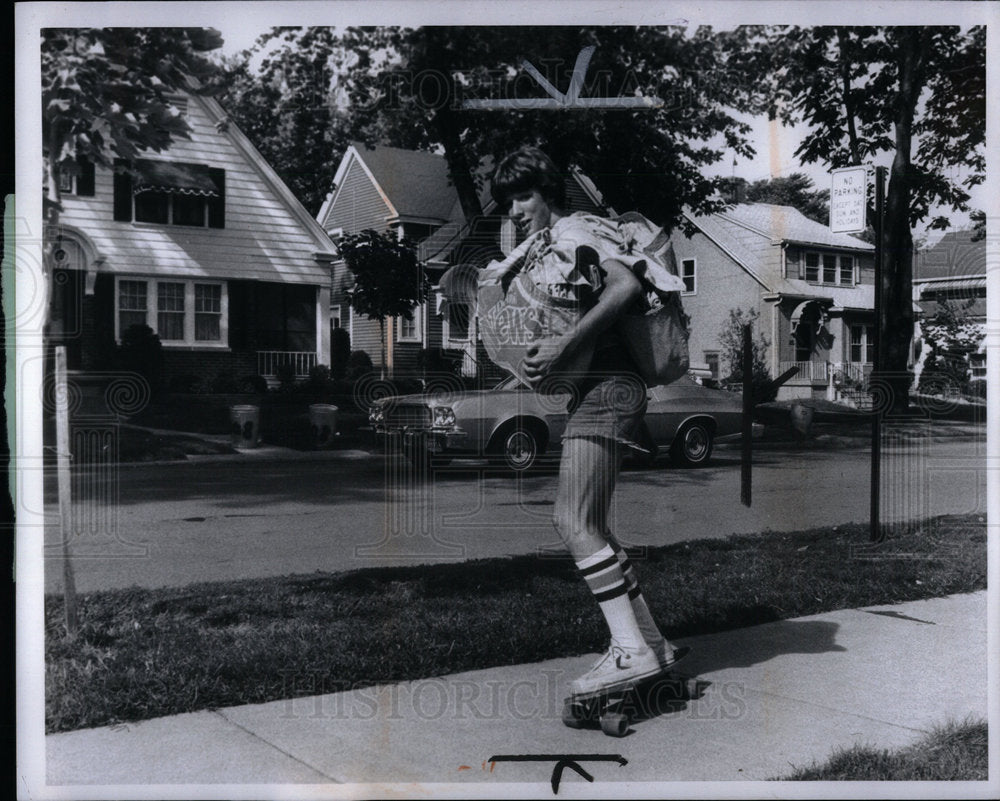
(814, 291)
(204, 244)
(410, 192)
(953, 270)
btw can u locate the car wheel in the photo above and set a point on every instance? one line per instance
(692, 446)
(519, 446)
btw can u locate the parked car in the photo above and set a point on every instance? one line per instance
(516, 426)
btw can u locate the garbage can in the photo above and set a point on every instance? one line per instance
(802, 419)
(323, 421)
(245, 428)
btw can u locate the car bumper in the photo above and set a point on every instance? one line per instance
(431, 440)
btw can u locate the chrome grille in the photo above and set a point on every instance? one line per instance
(407, 416)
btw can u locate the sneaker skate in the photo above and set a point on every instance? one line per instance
(617, 668)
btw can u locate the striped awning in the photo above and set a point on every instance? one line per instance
(930, 286)
(174, 177)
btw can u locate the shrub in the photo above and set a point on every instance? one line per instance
(286, 377)
(319, 379)
(359, 364)
(184, 382)
(223, 383)
(340, 352)
(253, 383)
(142, 352)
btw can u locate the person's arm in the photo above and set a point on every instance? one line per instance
(621, 288)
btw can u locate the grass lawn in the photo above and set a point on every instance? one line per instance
(953, 752)
(146, 653)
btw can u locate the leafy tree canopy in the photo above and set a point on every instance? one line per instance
(404, 87)
(105, 90)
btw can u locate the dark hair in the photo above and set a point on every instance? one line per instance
(526, 169)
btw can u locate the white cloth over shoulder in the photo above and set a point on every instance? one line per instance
(566, 253)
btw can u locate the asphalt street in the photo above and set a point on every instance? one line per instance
(174, 524)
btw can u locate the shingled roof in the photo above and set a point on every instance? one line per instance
(955, 255)
(418, 183)
(788, 224)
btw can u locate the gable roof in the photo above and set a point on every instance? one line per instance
(788, 224)
(413, 183)
(228, 128)
(954, 255)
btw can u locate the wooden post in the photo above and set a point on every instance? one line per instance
(65, 489)
(746, 469)
(876, 528)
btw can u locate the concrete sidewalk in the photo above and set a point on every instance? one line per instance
(772, 697)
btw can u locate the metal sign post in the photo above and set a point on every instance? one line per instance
(876, 532)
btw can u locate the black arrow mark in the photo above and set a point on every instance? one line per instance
(562, 761)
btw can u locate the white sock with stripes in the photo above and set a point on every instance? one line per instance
(650, 631)
(603, 575)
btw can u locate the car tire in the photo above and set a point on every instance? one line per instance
(692, 447)
(518, 445)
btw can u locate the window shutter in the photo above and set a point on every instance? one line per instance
(123, 194)
(217, 205)
(85, 178)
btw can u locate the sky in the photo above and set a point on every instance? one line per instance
(775, 145)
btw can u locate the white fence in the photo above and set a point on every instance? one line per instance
(270, 361)
(822, 372)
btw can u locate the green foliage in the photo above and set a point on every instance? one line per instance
(104, 90)
(731, 343)
(951, 752)
(147, 653)
(950, 337)
(289, 109)
(285, 373)
(795, 190)
(930, 82)
(142, 352)
(340, 352)
(399, 86)
(358, 364)
(389, 281)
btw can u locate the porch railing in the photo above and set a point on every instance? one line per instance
(812, 372)
(270, 361)
(821, 372)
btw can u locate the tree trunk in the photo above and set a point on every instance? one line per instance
(896, 325)
(458, 165)
(381, 338)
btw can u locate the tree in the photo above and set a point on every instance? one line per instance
(731, 341)
(950, 337)
(405, 87)
(105, 94)
(289, 108)
(388, 279)
(795, 190)
(917, 93)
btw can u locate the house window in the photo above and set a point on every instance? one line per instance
(829, 269)
(170, 193)
(862, 344)
(170, 311)
(836, 269)
(189, 313)
(977, 362)
(77, 179)
(409, 330)
(208, 312)
(847, 270)
(812, 268)
(132, 305)
(335, 317)
(688, 276)
(712, 360)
